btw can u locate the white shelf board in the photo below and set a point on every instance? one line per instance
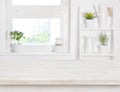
(97, 55)
(92, 33)
(97, 29)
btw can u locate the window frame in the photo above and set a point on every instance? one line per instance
(71, 55)
(27, 9)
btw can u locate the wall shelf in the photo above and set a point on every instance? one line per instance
(97, 55)
(97, 29)
(89, 35)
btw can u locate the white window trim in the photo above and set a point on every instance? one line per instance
(33, 11)
(46, 56)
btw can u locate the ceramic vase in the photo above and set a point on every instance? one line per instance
(103, 49)
(89, 23)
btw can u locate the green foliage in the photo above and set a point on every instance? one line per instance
(16, 35)
(42, 37)
(103, 39)
(89, 15)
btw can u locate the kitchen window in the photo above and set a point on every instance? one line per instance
(42, 22)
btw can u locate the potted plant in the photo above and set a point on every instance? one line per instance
(103, 43)
(16, 36)
(89, 16)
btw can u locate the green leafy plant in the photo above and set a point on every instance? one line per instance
(17, 36)
(89, 15)
(103, 39)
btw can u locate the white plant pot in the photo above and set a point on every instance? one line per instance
(89, 23)
(103, 49)
(15, 47)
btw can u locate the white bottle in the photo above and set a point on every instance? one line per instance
(87, 45)
(110, 17)
(103, 15)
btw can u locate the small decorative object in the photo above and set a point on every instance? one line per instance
(16, 36)
(89, 16)
(58, 48)
(94, 43)
(97, 19)
(103, 15)
(110, 17)
(103, 43)
(87, 45)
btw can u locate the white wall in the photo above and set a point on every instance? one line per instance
(11, 68)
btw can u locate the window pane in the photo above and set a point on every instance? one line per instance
(36, 2)
(38, 31)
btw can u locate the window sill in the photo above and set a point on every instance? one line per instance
(40, 56)
(34, 53)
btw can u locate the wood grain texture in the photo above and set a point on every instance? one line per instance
(60, 82)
